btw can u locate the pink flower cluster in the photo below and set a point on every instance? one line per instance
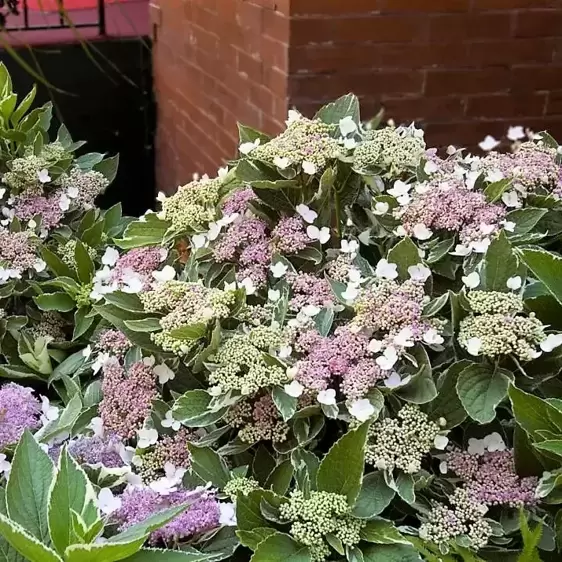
(308, 289)
(138, 504)
(450, 206)
(16, 250)
(289, 236)
(113, 342)
(127, 397)
(238, 201)
(490, 478)
(47, 208)
(139, 261)
(343, 358)
(19, 410)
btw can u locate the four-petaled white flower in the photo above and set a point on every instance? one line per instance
(72, 192)
(146, 437)
(419, 272)
(96, 425)
(164, 373)
(440, 442)
(515, 133)
(349, 143)
(361, 409)
(107, 502)
(273, 295)
(311, 310)
(347, 125)
(248, 284)
(168, 273)
(476, 446)
(511, 199)
(320, 234)
(350, 293)
(349, 246)
(294, 389)
(472, 280)
(132, 282)
(327, 397)
(375, 346)
(421, 232)
(43, 176)
(494, 176)
(293, 116)
(170, 421)
(509, 226)
(49, 413)
(198, 241)
(285, 352)
(480, 246)
(281, 162)
(161, 197)
(461, 250)
(388, 359)
(39, 265)
(247, 147)
(386, 270)
(381, 208)
(400, 190)
(432, 337)
(309, 168)
(278, 269)
(473, 346)
(494, 442)
(514, 283)
(64, 202)
(308, 215)
(110, 257)
(227, 514)
(430, 167)
(489, 143)
(552, 341)
(394, 380)
(404, 337)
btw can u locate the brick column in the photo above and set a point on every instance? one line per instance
(462, 68)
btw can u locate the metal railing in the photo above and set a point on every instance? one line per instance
(29, 20)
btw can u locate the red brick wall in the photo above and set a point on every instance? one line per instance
(464, 68)
(216, 62)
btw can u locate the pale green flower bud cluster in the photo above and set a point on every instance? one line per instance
(401, 442)
(67, 253)
(464, 517)
(23, 175)
(321, 514)
(240, 485)
(304, 140)
(497, 330)
(185, 304)
(257, 420)
(193, 205)
(241, 364)
(483, 302)
(256, 314)
(82, 296)
(51, 153)
(89, 184)
(393, 149)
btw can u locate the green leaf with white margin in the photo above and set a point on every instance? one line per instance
(280, 478)
(64, 422)
(344, 106)
(547, 268)
(144, 325)
(525, 219)
(404, 485)
(147, 232)
(495, 190)
(341, 470)
(167, 555)
(324, 320)
(375, 496)
(192, 332)
(381, 531)
(108, 167)
(390, 553)
(7, 552)
(208, 465)
(59, 302)
(27, 545)
(500, 264)
(102, 552)
(192, 409)
(280, 547)
(251, 539)
(480, 389)
(71, 490)
(285, 404)
(27, 491)
(404, 255)
(553, 446)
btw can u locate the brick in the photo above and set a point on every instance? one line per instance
(250, 16)
(276, 25)
(249, 66)
(554, 103)
(539, 23)
(513, 4)
(421, 109)
(467, 27)
(427, 6)
(506, 105)
(527, 78)
(274, 53)
(516, 51)
(448, 82)
(275, 80)
(333, 7)
(378, 29)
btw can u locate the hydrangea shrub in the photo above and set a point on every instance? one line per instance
(346, 346)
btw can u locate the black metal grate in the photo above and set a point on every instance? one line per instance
(22, 20)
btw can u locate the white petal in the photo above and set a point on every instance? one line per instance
(278, 270)
(307, 214)
(168, 273)
(440, 442)
(273, 295)
(421, 232)
(515, 133)
(198, 241)
(309, 168)
(381, 208)
(551, 342)
(327, 397)
(110, 257)
(514, 283)
(419, 272)
(294, 389)
(473, 346)
(471, 281)
(361, 410)
(347, 125)
(164, 373)
(311, 310)
(281, 162)
(489, 143)
(386, 270)
(430, 167)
